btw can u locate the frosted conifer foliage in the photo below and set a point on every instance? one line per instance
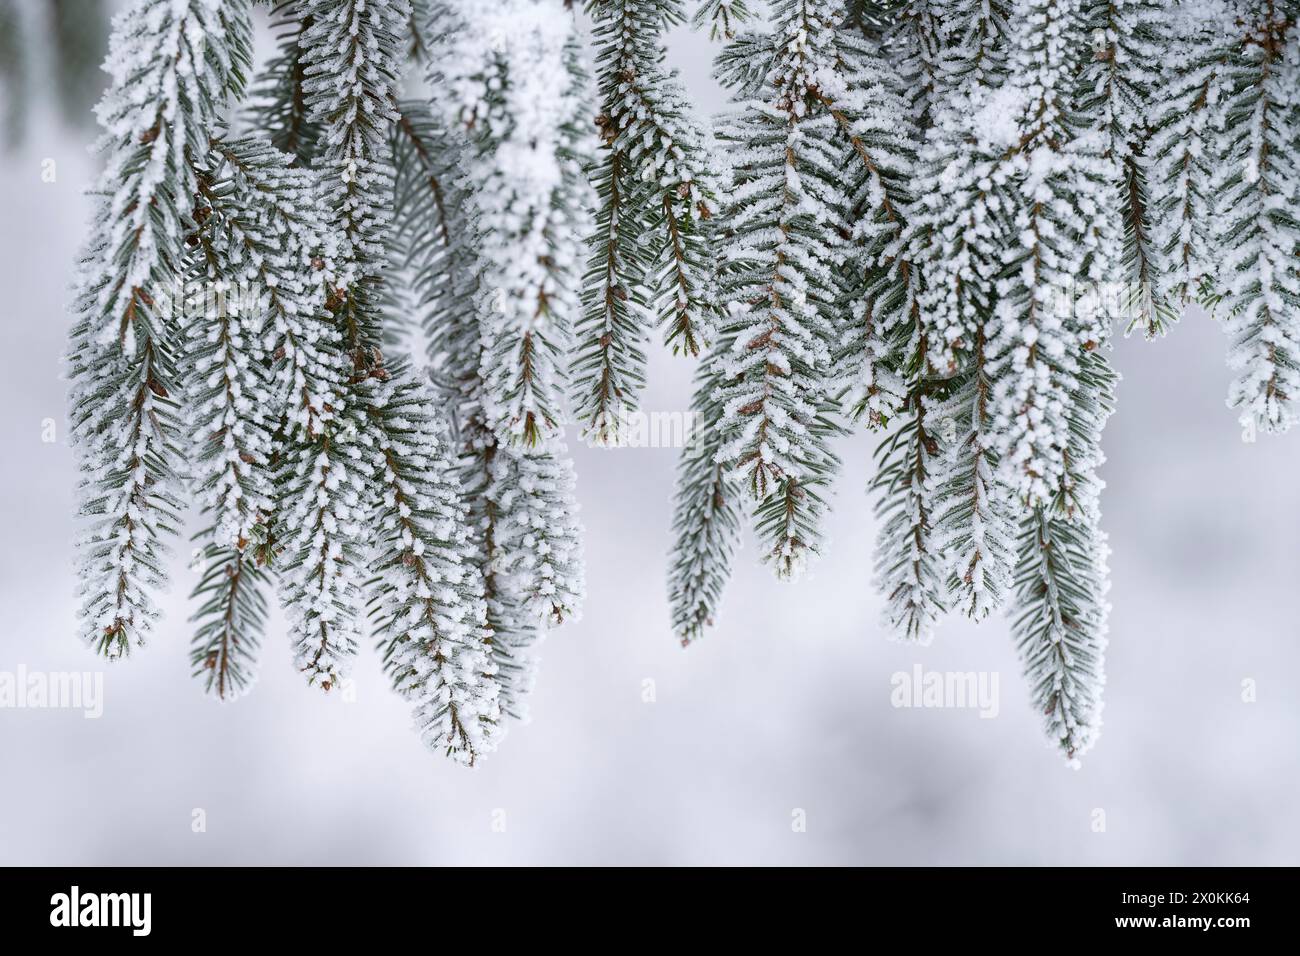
(353, 335)
(649, 262)
(169, 82)
(231, 342)
(1024, 174)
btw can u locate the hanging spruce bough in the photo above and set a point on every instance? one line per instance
(126, 395)
(951, 203)
(514, 98)
(351, 334)
(1256, 190)
(650, 261)
(785, 219)
(234, 309)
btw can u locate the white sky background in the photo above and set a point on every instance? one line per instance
(785, 705)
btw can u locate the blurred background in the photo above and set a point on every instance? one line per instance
(784, 707)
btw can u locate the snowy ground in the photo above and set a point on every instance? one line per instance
(784, 707)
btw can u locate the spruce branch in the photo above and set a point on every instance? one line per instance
(351, 54)
(706, 515)
(427, 594)
(1059, 610)
(231, 619)
(514, 633)
(649, 259)
(276, 227)
(958, 219)
(530, 203)
(184, 60)
(975, 522)
(743, 63)
(916, 36)
(916, 217)
(525, 538)
(1187, 111)
(538, 541)
(229, 416)
(1256, 191)
(722, 17)
(782, 274)
(278, 99)
(882, 296)
(974, 54)
(432, 248)
(609, 370)
(1061, 242)
(909, 570)
(1115, 85)
(324, 488)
